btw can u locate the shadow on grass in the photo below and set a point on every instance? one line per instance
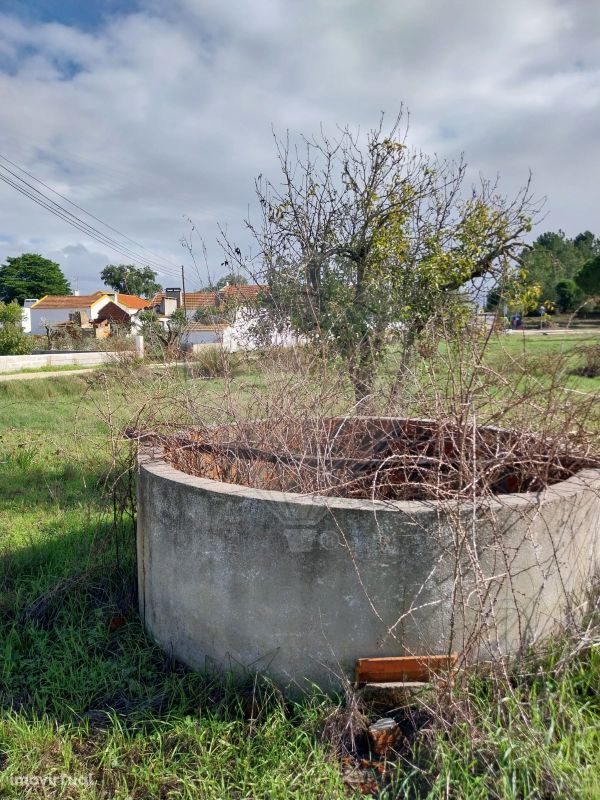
(83, 686)
(39, 485)
(75, 648)
(72, 644)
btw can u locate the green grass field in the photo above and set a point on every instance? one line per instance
(41, 370)
(89, 702)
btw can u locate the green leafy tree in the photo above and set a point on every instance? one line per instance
(568, 295)
(129, 279)
(169, 335)
(554, 258)
(13, 342)
(233, 279)
(363, 244)
(588, 278)
(214, 315)
(31, 275)
(494, 298)
(587, 245)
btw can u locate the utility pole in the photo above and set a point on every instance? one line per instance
(183, 288)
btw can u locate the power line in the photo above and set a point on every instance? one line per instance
(45, 202)
(98, 236)
(89, 214)
(30, 191)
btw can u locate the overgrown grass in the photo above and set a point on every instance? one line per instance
(537, 738)
(84, 692)
(57, 368)
(82, 689)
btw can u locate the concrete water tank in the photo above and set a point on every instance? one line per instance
(300, 587)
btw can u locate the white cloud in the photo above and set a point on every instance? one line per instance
(168, 111)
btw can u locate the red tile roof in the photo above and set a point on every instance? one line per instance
(196, 300)
(248, 292)
(86, 300)
(68, 301)
(193, 300)
(111, 311)
(132, 301)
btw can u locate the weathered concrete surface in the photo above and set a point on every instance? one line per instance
(58, 359)
(301, 587)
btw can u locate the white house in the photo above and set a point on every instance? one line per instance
(55, 309)
(198, 333)
(241, 335)
(26, 315)
(228, 317)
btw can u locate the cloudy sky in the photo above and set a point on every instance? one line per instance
(145, 112)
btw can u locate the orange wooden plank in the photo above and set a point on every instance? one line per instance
(402, 668)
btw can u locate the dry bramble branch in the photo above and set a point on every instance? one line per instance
(473, 425)
(486, 429)
(363, 241)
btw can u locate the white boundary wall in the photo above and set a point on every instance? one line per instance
(16, 363)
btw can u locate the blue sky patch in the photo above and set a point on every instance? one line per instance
(10, 63)
(83, 14)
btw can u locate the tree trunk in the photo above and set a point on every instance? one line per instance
(362, 366)
(409, 341)
(362, 375)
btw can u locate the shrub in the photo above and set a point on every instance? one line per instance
(214, 362)
(13, 342)
(568, 295)
(547, 322)
(590, 361)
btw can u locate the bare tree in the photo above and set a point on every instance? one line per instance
(167, 336)
(365, 240)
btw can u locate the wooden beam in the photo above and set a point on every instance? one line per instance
(402, 668)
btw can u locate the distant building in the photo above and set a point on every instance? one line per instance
(26, 317)
(219, 302)
(167, 302)
(226, 318)
(58, 309)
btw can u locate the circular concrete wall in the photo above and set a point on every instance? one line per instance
(300, 587)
